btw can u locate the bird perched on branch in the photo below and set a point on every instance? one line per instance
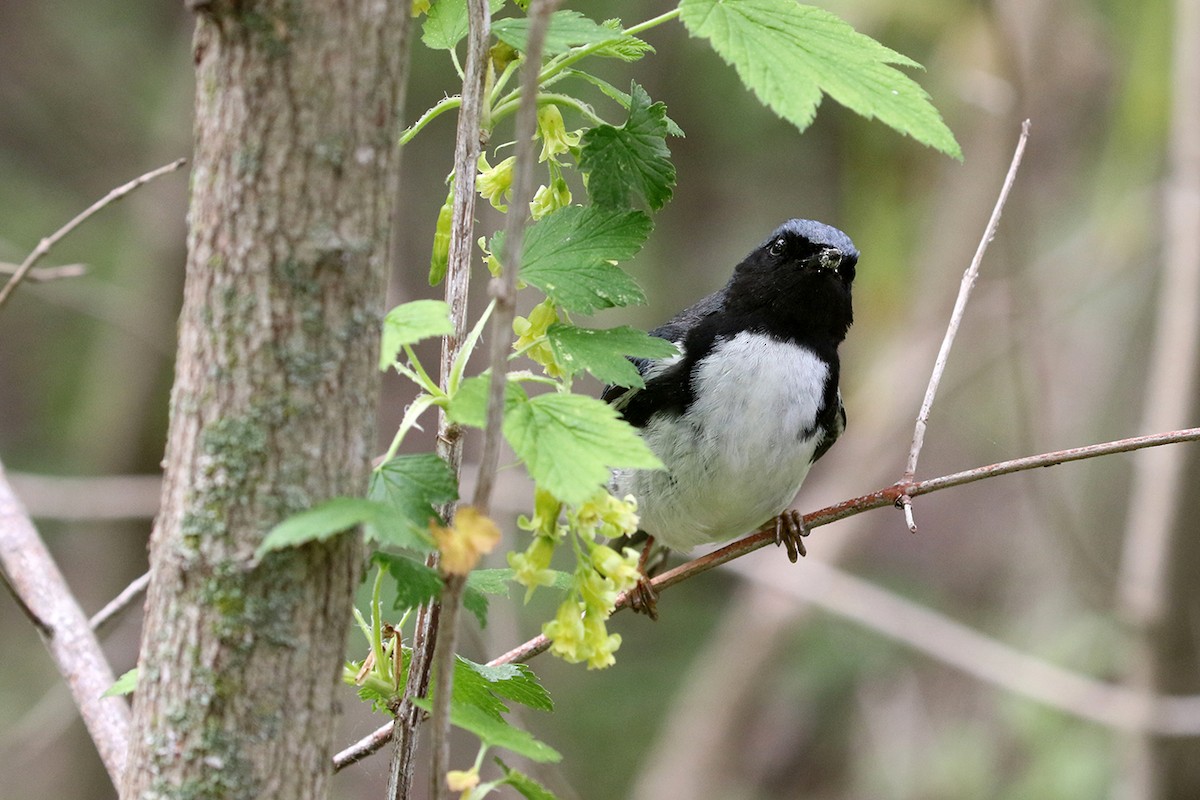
(751, 400)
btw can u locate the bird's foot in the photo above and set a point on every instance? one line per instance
(790, 532)
(643, 599)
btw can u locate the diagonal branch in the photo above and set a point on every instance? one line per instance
(45, 244)
(1170, 720)
(960, 306)
(40, 588)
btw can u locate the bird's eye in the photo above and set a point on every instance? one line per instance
(776, 248)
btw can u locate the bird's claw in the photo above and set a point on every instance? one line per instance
(789, 532)
(643, 599)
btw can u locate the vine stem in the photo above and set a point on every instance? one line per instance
(880, 498)
(960, 306)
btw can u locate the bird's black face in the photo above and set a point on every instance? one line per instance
(792, 251)
(799, 277)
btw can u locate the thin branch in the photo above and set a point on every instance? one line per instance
(45, 244)
(88, 498)
(46, 274)
(504, 290)
(504, 293)
(467, 146)
(960, 305)
(985, 658)
(119, 603)
(888, 496)
(33, 576)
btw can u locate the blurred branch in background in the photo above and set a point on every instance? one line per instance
(47, 243)
(1156, 526)
(34, 578)
(45, 274)
(92, 498)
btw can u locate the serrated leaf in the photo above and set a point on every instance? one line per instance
(616, 94)
(603, 351)
(626, 47)
(567, 29)
(126, 684)
(469, 404)
(416, 583)
(526, 786)
(446, 23)
(569, 443)
(482, 686)
(409, 487)
(321, 522)
(788, 54)
(410, 323)
(631, 161)
(567, 254)
(496, 732)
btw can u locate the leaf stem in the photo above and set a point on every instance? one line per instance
(442, 106)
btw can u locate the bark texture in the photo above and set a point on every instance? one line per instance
(273, 405)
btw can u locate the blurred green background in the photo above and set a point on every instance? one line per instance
(743, 689)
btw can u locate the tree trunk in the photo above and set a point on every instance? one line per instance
(275, 388)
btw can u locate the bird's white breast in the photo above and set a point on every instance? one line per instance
(738, 455)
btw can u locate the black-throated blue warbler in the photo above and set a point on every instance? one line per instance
(751, 400)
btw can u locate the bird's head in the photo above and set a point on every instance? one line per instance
(800, 275)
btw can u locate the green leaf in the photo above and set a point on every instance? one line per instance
(602, 351)
(126, 684)
(788, 54)
(630, 160)
(321, 522)
(569, 443)
(469, 404)
(408, 487)
(410, 323)
(482, 686)
(625, 47)
(416, 583)
(567, 256)
(616, 94)
(567, 29)
(446, 23)
(526, 786)
(496, 733)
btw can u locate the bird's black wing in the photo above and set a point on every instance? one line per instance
(831, 428)
(665, 378)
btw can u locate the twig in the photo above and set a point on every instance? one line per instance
(88, 498)
(504, 290)
(119, 603)
(960, 305)
(848, 508)
(467, 146)
(985, 658)
(45, 244)
(36, 579)
(46, 274)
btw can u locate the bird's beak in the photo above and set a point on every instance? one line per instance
(830, 258)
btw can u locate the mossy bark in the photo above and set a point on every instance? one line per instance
(273, 405)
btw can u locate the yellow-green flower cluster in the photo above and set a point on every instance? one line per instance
(531, 336)
(578, 632)
(606, 516)
(494, 184)
(553, 133)
(549, 199)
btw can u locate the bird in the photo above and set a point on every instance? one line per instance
(749, 402)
